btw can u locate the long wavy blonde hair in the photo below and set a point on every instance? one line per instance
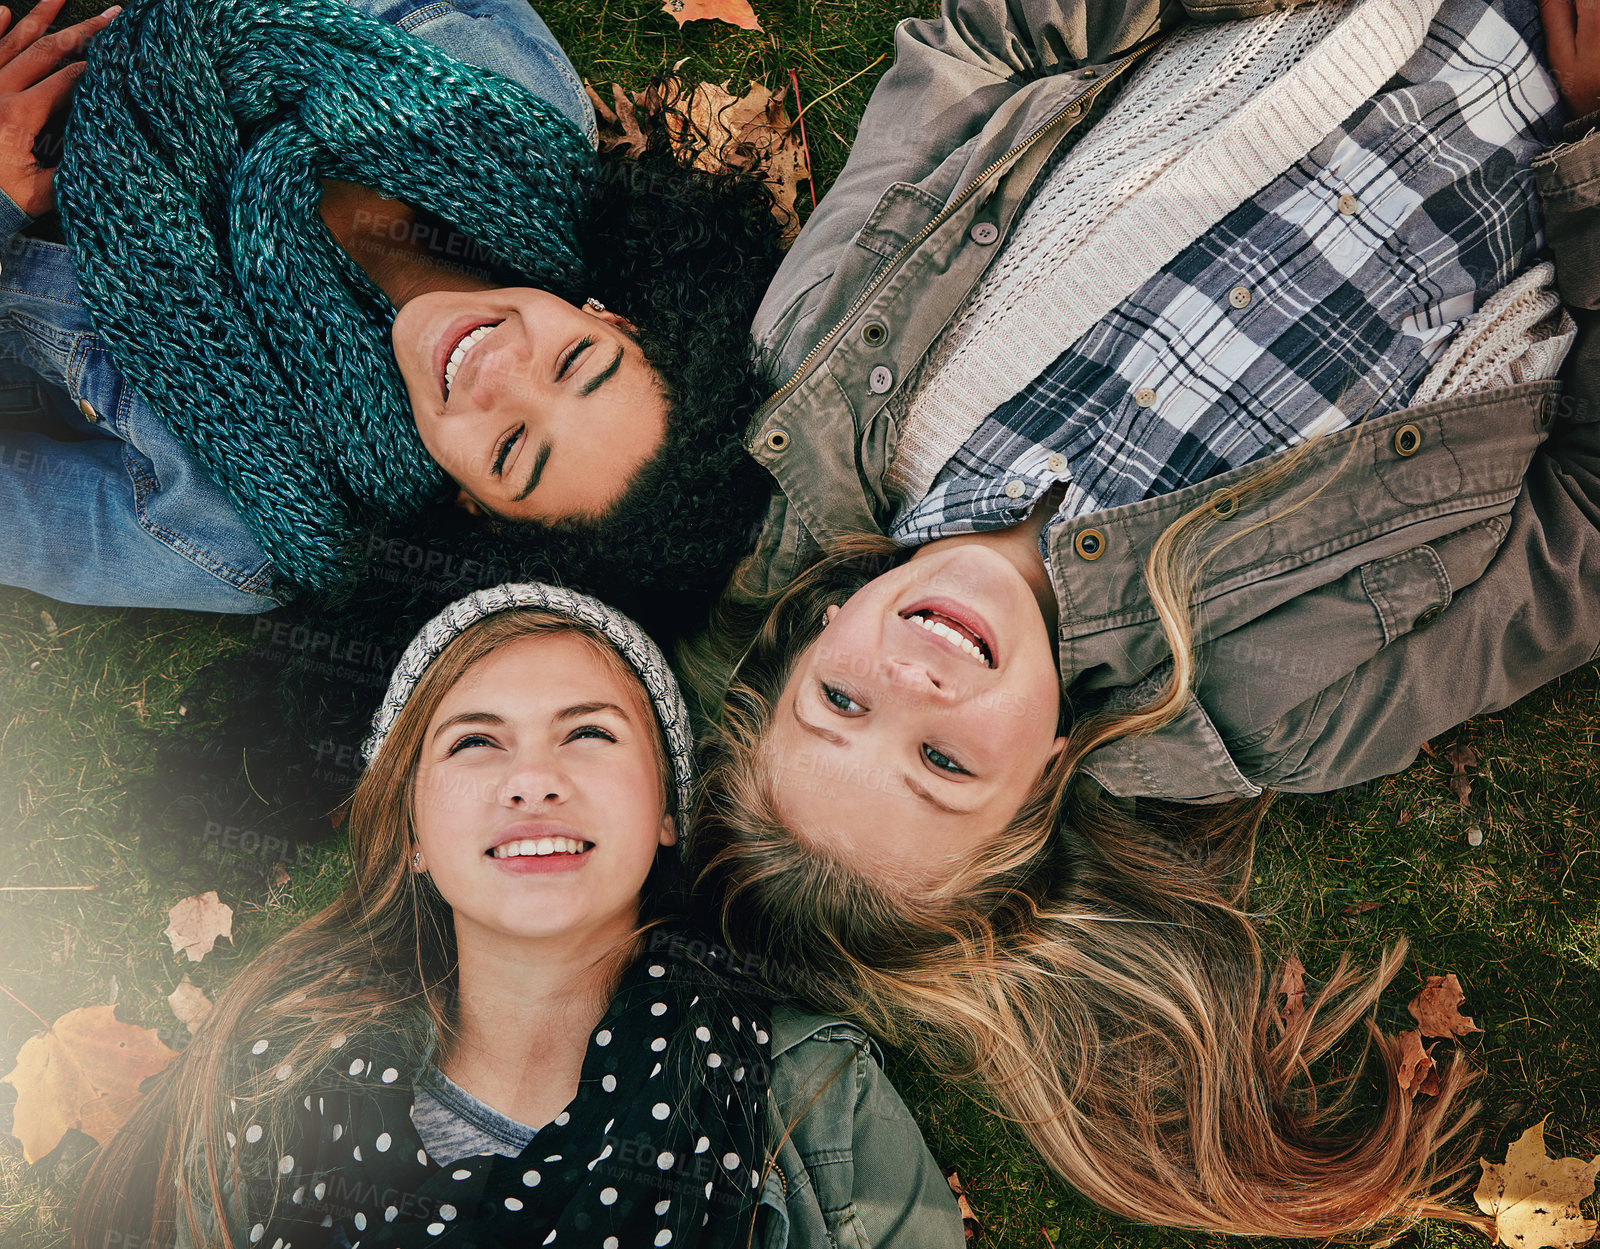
(380, 958)
(1094, 967)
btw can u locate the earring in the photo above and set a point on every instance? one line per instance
(594, 303)
(416, 861)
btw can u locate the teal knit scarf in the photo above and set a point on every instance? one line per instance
(189, 194)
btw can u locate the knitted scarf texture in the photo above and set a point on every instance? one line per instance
(189, 191)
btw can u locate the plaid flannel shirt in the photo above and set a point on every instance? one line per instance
(1321, 301)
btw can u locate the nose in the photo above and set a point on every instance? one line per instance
(533, 779)
(912, 678)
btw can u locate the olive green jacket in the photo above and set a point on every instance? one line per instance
(852, 1170)
(1479, 523)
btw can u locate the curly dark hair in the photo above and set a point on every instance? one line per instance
(685, 256)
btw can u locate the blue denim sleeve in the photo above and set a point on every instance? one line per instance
(12, 218)
(73, 532)
(504, 36)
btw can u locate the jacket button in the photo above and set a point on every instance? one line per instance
(1145, 397)
(1239, 297)
(1014, 489)
(777, 440)
(1056, 462)
(1347, 204)
(1224, 503)
(1090, 544)
(874, 333)
(88, 411)
(1089, 73)
(984, 233)
(1407, 440)
(879, 380)
(1427, 617)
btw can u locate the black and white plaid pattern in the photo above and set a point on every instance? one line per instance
(1345, 309)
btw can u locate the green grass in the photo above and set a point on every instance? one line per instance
(1517, 917)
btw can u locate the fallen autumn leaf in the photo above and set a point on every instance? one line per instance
(735, 12)
(1535, 1198)
(1436, 1008)
(194, 925)
(83, 1073)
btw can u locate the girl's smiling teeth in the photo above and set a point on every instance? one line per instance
(531, 846)
(470, 340)
(951, 631)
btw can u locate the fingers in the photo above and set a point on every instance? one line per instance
(53, 93)
(41, 58)
(29, 29)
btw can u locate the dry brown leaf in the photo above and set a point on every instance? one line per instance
(1436, 1008)
(1417, 1073)
(194, 925)
(1534, 1198)
(1461, 759)
(736, 12)
(969, 1221)
(715, 130)
(189, 1003)
(750, 133)
(83, 1073)
(1292, 984)
(1358, 908)
(619, 126)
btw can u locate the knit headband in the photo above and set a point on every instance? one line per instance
(631, 642)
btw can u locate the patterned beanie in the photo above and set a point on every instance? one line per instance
(630, 641)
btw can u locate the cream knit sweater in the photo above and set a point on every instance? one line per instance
(1214, 115)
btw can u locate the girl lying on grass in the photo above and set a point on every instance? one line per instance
(500, 1032)
(334, 272)
(1300, 494)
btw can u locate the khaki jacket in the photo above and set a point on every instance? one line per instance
(1433, 581)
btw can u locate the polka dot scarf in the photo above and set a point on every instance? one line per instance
(663, 1144)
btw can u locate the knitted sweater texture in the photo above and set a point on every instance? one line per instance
(189, 193)
(1213, 116)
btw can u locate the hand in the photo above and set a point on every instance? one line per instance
(37, 72)
(1572, 30)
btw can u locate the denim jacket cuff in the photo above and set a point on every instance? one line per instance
(12, 218)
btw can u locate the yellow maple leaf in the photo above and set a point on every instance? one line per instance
(1534, 1198)
(83, 1073)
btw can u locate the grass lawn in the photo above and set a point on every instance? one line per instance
(1516, 916)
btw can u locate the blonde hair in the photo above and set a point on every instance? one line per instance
(1093, 967)
(379, 958)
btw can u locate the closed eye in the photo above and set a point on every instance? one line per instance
(571, 357)
(837, 700)
(505, 449)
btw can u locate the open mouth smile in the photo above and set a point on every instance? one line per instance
(959, 634)
(463, 346)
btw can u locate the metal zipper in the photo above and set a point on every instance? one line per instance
(1077, 108)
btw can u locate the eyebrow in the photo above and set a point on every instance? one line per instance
(838, 739)
(466, 717)
(538, 472)
(566, 713)
(603, 376)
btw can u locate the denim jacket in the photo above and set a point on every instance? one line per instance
(1446, 573)
(101, 503)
